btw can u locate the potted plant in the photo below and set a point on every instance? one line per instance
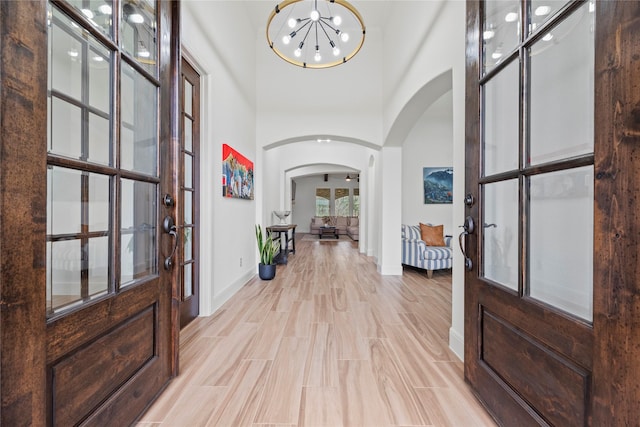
(267, 248)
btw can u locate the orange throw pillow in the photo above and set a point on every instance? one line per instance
(433, 235)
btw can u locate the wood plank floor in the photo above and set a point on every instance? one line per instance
(328, 342)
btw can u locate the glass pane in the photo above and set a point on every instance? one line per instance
(99, 12)
(322, 201)
(99, 139)
(63, 200)
(501, 31)
(501, 233)
(98, 265)
(356, 205)
(188, 207)
(139, 118)
(562, 82)
(188, 134)
(342, 201)
(542, 10)
(99, 197)
(188, 283)
(138, 218)
(64, 264)
(188, 244)
(66, 129)
(501, 101)
(99, 79)
(188, 171)
(188, 98)
(561, 240)
(65, 45)
(138, 32)
(79, 77)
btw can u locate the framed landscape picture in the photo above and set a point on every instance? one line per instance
(237, 174)
(437, 185)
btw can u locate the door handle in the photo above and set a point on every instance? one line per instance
(469, 228)
(169, 227)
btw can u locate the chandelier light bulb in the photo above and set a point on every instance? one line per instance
(291, 22)
(336, 51)
(286, 39)
(317, 56)
(315, 15)
(297, 52)
(337, 20)
(344, 37)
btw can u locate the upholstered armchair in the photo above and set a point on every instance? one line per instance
(416, 253)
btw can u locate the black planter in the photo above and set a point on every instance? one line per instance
(267, 272)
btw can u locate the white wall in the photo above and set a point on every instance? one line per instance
(429, 144)
(228, 251)
(305, 204)
(434, 51)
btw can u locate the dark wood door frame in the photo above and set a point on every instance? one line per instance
(23, 209)
(611, 348)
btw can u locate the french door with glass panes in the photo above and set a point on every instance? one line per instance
(549, 289)
(108, 294)
(189, 218)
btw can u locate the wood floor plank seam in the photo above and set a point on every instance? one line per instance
(329, 342)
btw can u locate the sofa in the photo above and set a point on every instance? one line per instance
(416, 253)
(353, 229)
(344, 225)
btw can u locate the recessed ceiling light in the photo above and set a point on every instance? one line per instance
(136, 18)
(105, 9)
(87, 13)
(496, 55)
(511, 17)
(488, 34)
(547, 37)
(542, 10)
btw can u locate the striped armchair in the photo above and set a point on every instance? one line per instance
(416, 253)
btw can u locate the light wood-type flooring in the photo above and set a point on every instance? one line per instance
(328, 342)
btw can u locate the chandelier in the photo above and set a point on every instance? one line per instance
(315, 33)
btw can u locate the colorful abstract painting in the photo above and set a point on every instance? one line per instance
(237, 174)
(437, 185)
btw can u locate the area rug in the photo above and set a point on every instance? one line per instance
(315, 238)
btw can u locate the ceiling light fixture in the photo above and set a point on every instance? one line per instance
(319, 29)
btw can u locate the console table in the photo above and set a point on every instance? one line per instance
(283, 234)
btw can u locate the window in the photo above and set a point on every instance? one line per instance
(356, 202)
(322, 201)
(342, 201)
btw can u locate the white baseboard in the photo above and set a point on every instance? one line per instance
(456, 343)
(389, 270)
(228, 292)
